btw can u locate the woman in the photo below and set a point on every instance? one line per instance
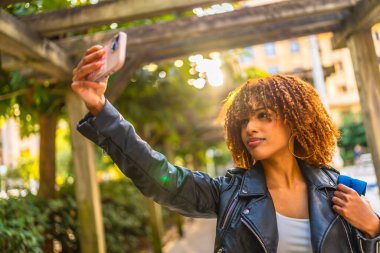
(282, 196)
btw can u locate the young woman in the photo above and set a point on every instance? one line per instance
(282, 196)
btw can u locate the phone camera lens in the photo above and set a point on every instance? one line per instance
(114, 46)
(115, 43)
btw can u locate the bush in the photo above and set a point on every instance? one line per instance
(21, 225)
(125, 216)
(26, 222)
(352, 133)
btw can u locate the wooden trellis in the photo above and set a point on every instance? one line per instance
(48, 44)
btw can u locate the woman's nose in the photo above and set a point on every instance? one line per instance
(251, 125)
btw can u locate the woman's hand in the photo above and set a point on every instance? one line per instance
(91, 92)
(356, 210)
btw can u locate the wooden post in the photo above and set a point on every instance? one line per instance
(156, 225)
(367, 75)
(91, 230)
(178, 219)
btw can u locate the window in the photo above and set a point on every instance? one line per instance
(342, 88)
(294, 46)
(273, 70)
(247, 55)
(270, 49)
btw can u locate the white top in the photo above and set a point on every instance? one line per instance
(294, 235)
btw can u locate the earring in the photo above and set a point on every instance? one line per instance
(299, 157)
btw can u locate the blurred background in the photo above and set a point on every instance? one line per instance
(58, 193)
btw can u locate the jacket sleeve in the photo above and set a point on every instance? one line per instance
(189, 193)
(361, 242)
(367, 245)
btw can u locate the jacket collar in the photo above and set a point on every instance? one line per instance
(321, 214)
(254, 183)
(316, 176)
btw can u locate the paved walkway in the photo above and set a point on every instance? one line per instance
(199, 237)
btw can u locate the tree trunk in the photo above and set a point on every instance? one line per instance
(48, 127)
(47, 166)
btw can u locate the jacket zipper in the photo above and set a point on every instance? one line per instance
(348, 237)
(256, 234)
(230, 211)
(361, 245)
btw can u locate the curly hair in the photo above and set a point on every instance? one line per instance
(297, 103)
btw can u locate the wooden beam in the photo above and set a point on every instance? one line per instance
(235, 39)
(364, 15)
(7, 2)
(19, 40)
(104, 13)
(185, 29)
(220, 40)
(366, 68)
(218, 32)
(32, 67)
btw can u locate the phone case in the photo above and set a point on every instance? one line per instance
(114, 56)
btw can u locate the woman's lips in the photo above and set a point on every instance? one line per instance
(254, 142)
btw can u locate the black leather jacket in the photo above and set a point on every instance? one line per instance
(240, 200)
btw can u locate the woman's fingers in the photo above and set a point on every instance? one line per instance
(340, 195)
(344, 188)
(338, 209)
(338, 201)
(87, 84)
(94, 56)
(94, 53)
(93, 49)
(83, 71)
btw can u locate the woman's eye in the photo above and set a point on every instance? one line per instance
(263, 115)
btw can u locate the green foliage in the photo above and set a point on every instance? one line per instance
(35, 6)
(20, 9)
(54, 4)
(352, 133)
(25, 222)
(64, 160)
(27, 168)
(125, 216)
(253, 72)
(164, 107)
(24, 99)
(222, 156)
(22, 223)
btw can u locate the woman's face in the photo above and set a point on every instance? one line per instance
(265, 135)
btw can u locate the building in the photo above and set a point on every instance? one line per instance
(12, 145)
(294, 57)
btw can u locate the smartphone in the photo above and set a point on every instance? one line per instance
(115, 50)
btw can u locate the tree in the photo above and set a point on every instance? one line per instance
(352, 133)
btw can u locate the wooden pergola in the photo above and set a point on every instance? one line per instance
(48, 45)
